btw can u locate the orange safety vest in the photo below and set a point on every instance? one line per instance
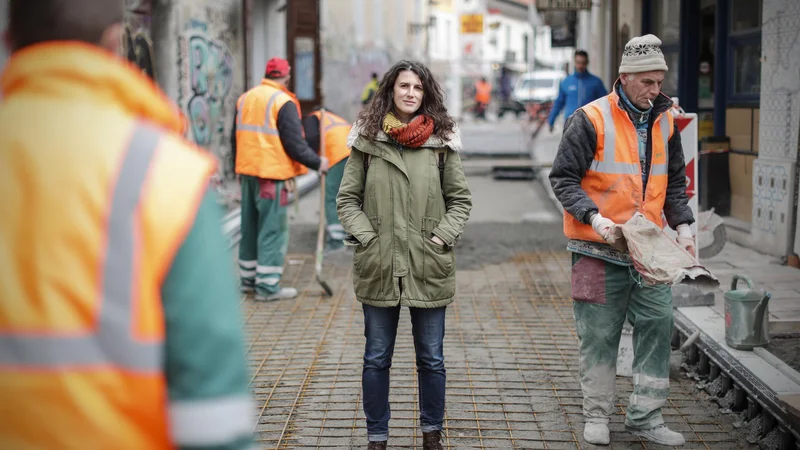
(483, 92)
(259, 151)
(614, 179)
(90, 229)
(336, 130)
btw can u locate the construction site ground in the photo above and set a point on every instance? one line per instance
(511, 351)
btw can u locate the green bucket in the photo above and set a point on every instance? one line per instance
(746, 315)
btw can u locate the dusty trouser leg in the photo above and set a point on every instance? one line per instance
(600, 292)
(273, 236)
(650, 311)
(248, 245)
(334, 228)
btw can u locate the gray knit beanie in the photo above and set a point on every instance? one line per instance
(643, 54)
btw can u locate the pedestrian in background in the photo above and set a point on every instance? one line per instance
(121, 327)
(404, 200)
(483, 96)
(270, 151)
(336, 150)
(576, 90)
(620, 155)
(370, 89)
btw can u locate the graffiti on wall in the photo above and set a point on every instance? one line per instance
(208, 87)
(137, 43)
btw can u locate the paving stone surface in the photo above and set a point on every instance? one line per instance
(511, 358)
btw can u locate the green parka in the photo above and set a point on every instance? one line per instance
(393, 212)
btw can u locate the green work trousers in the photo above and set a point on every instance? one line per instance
(265, 234)
(604, 295)
(334, 228)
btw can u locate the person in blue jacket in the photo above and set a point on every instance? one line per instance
(577, 89)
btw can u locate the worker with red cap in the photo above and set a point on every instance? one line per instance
(270, 150)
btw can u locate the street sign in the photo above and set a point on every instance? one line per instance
(563, 5)
(472, 24)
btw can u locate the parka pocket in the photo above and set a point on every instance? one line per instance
(438, 263)
(368, 265)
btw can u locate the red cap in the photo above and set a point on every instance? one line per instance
(278, 68)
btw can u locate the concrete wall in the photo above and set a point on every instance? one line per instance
(199, 57)
(360, 37)
(774, 171)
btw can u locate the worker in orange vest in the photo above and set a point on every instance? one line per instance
(483, 95)
(119, 320)
(270, 152)
(337, 152)
(622, 155)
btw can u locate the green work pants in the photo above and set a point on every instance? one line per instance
(604, 295)
(265, 234)
(334, 228)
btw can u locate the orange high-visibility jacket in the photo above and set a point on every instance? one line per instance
(99, 193)
(614, 179)
(483, 92)
(259, 151)
(336, 130)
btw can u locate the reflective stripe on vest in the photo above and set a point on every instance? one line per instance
(608, 164)
(113, 342)
(266, 128)
(332, 121)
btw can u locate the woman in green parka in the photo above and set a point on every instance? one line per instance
(404, 201)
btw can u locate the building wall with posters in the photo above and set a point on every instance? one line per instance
(195, 52)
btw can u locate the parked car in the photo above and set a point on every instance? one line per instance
(538, 87)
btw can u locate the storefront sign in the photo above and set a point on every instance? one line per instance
(472, 24)
(563, 5)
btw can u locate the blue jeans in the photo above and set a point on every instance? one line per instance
(380, 329)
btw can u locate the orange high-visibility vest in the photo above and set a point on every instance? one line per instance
(614, 179)
(90, 229)
(483, 92)
(336, 130)
(85, 345)
(259, 151)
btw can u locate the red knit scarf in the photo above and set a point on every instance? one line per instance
(413, 134)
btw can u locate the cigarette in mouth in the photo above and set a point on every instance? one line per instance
(650, 101)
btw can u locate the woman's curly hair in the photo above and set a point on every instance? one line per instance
(371, 118)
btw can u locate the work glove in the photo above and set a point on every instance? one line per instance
(609, 231)
(603, 227)
(686, 240)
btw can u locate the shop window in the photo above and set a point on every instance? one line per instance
(744, 52)
(666, 25)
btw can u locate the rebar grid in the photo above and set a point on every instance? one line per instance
(511, 359)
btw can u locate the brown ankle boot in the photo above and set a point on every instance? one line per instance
(377, 446)
(432, 440)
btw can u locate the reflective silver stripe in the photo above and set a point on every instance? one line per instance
(112, 343)
(266, 129)
(211, 422)
(665, 129)
(608, 165)
(333, 123)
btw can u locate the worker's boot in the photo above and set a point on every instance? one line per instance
(596, 433)
(659, 435)
(283, 293)
(432, 440)
(377, 445)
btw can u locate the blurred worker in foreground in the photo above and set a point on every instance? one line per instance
(337, 152)
(118, 307)
(370, 89)
(576, 90)
(270, 151)
(483, 95)
(620, 155)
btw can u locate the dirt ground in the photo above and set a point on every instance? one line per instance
(787, 348)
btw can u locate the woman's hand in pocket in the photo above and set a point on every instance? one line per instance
(436, 240)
